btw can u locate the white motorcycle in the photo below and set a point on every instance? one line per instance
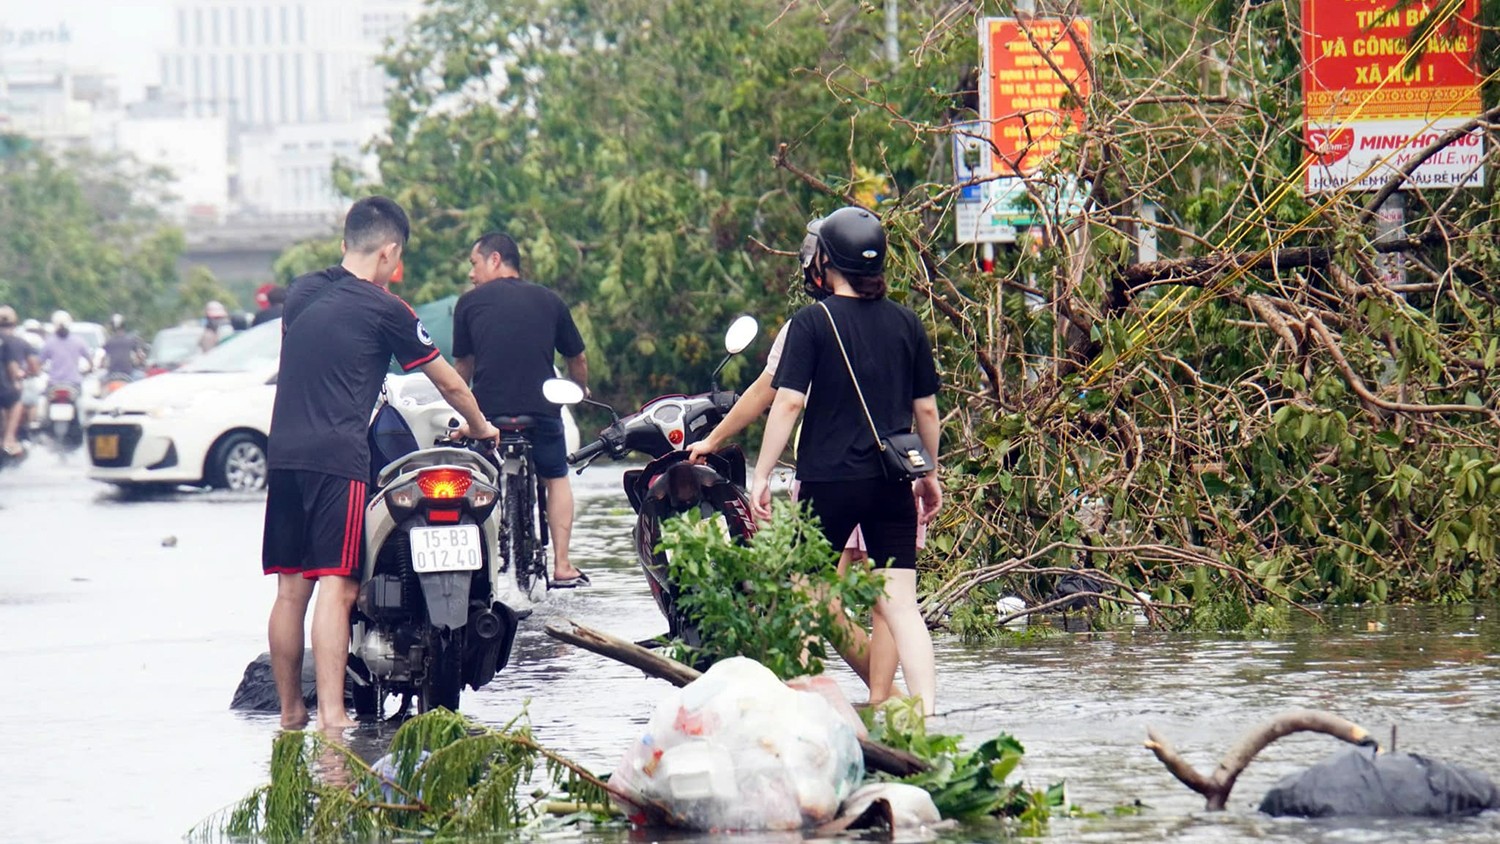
(437, 607)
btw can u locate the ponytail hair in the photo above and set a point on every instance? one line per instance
(867, 286)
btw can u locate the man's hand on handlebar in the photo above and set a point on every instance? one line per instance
(699, 451)
(489, 433)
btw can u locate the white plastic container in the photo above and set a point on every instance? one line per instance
(1010, 605)
(697, 771)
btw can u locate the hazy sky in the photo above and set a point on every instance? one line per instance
(122, 36)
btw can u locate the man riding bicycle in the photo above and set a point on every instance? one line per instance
(506, 332)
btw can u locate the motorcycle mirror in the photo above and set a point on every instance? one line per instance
(562, 391)
(741, 333)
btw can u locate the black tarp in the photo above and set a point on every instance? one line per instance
(1362, 783)
(257, 689)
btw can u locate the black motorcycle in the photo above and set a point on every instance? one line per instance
(669, 485)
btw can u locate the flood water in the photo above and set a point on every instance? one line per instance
(125, 626)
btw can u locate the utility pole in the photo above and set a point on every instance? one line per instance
(892, 22)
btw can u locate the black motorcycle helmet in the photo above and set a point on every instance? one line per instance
(850, 239)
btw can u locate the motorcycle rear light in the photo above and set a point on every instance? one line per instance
(61, 395)
(444, 517)
(444, 483)
(482, 496)
(404, 498)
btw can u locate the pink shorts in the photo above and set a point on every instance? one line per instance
(857, 539)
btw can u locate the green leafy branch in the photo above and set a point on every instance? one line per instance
(776, 600)
(449, 778)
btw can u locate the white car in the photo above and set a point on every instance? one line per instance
(205, 424)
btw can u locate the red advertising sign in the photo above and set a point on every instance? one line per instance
(1034, 81)
(1366, 111)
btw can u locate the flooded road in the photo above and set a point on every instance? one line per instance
(125, 626)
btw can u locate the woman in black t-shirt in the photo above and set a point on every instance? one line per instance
(838, 461)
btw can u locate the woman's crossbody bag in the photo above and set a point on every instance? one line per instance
(902, 454)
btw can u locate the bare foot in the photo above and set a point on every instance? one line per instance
(567, 571)
(336, 720)
(294, 719)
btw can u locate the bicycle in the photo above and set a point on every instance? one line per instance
(523, 506)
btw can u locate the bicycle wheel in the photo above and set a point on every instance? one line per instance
(543, 530)
(512, 540)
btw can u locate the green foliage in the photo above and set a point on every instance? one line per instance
(632, 148)
(305, 257)
(626, 144)
(199, 288)
(451, 779)
(775, 600)
(964, 784)
(81, 232)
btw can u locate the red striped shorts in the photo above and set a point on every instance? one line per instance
(314, 524)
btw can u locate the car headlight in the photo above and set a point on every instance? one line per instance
(166, 411)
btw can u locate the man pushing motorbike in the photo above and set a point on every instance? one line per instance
(339, 332)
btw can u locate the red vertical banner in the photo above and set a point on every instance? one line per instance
(1035, 79)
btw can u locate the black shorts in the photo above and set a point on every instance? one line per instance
(315, 524)
(883, 510)
(9, 398)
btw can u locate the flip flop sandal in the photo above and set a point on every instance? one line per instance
(573, 582)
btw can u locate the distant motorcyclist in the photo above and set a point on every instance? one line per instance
(36, 380)
(124, 351)
(216, 325)
(65, 357)
(274, 306)
(16, 362)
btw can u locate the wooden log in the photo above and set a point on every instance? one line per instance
(1216, 787)
(878, 757)
(633, 655)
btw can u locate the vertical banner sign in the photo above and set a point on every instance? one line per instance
(1366, 112)
(1029, 106)
(1031, 91)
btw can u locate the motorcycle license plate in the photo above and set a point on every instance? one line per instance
(440, 549)
(106, 446)
(60, 412)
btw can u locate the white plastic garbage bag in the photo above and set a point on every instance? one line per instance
(736, 749)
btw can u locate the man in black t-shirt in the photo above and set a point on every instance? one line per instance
(506, 333)
(340, 330)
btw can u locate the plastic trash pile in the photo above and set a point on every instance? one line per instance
(737, 749)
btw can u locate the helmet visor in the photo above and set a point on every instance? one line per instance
(808, 251)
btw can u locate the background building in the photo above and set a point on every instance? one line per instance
(254, 103)
(63, 107)
(298, 85)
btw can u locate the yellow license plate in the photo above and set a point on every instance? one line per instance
(107, 447)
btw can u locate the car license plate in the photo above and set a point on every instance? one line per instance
(106, 446)
(60, 412)
(440, 549)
